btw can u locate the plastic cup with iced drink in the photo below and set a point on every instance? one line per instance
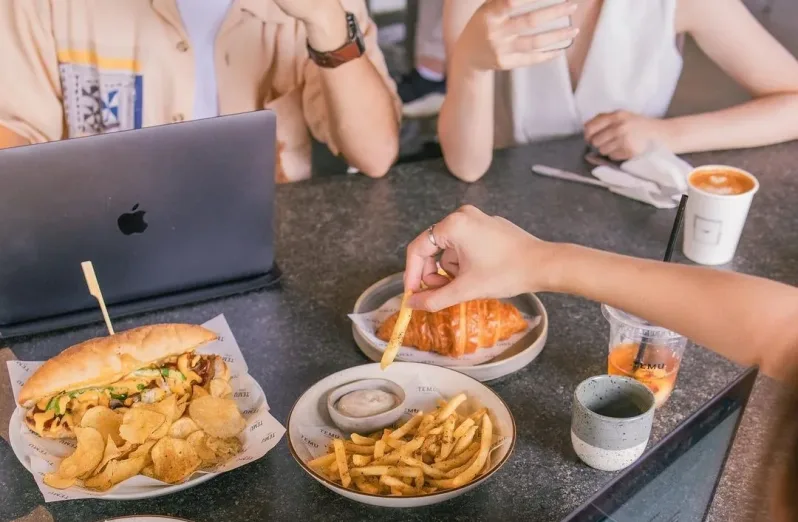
(647, 353)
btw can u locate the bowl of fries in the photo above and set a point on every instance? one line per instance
(455, 434)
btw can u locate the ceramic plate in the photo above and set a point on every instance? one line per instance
(510, 361)
(311, 410)
(118, 492)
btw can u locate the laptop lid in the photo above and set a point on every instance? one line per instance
(677, 478)
(159, 211)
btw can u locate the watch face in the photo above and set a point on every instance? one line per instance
(355, 34)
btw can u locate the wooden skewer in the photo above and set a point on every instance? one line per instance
(94, 289)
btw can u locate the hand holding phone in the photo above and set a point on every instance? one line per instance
(507, 35)
(533, 26)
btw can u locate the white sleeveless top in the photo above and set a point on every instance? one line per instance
(633, 64)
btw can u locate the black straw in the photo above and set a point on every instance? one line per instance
(677, 225)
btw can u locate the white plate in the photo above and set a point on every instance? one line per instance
(18, 445)
(510, 361)
(311, 410)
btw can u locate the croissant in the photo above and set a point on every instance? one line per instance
(459, 329)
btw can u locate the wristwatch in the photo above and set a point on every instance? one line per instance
(352, 49)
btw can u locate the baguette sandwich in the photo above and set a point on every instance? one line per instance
(146, 364)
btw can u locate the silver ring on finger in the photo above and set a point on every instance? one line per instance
(431, 237)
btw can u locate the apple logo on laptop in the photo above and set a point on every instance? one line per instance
(132, 222)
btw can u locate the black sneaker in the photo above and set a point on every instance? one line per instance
(421, 98)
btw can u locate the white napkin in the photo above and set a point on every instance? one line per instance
(645, 196)
(620, 178)
(642, 178)
(661, 166)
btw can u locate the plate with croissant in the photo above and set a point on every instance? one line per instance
(485, 338)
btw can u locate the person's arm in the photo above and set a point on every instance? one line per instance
(482, 37)
(730, 35)
(747, 319)
(30, 89)
(352, 108)
(465, 123)
(10, 139)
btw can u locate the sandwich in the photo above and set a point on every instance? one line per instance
(146, 364)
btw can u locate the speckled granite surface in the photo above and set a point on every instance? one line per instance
(338, 235)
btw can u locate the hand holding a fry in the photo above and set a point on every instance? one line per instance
(488, 256)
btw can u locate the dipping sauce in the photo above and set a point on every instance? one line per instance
(365, 403)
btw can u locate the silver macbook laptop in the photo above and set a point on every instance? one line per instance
(167, 215)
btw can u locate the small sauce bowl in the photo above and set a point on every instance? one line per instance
(372, 423)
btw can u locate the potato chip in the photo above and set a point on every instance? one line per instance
(217, 417)
(105, 420)
(115, 471)
(220, 388)
(197, 392)
(148, 471)
(174, 460)
(138, 424)
(224, 449)
(182, 404)
(143, 451)
(198, 442)
(58, 482)
(111, 452)
(182, 428)
(166, 407)
(88, 454)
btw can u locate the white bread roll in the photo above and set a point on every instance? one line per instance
(105, 360)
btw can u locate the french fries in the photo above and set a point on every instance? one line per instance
(398, 333)
(379, 449)
(340, 459)
(439, 450)
(362, 441)
(361, 460)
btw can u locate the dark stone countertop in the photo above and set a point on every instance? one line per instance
(339, 235)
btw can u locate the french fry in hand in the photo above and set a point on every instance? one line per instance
(398, 333)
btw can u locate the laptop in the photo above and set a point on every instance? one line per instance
(168, 215)
(676, 479)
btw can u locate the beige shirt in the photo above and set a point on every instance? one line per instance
(81, 67)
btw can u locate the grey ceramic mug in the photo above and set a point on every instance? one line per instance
(611, 421)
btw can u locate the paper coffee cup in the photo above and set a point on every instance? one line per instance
(713, 221)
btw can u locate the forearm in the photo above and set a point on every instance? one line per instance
(747, 319)
(364, 123)
(10, 138)
(762, 121)
(363, 119)
(465, 124)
